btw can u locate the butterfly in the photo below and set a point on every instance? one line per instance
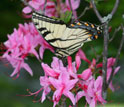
(65, 39)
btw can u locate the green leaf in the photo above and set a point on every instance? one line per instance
(53, 0)
(96, 1)
(66, 17)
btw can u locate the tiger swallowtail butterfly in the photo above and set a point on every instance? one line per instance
(65, 39)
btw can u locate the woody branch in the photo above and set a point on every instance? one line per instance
(105, 21)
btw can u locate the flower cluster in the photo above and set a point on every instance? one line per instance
(51, 9)
(68, 82)
(20, 44)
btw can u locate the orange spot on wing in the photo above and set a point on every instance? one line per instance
(92, 25)
(86, 24)
(72, 25)
(90, 35)
(78, 23)
(96, 36)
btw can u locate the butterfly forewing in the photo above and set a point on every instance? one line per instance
(65, 39)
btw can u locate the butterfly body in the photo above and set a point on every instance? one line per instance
(66, 39)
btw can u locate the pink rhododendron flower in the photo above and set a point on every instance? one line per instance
(51, 9)
(57, 79)
(110, 63)
(18, 63)
(93, 64)
(85, 74)
(63, 85)
(20, 44)
(92, 92)
(62, 79)
(38, 5)
(44, 82)
(82, 56)
(55, 69)
(95, 92)
(74, 4)
(78, 61)
(49, 71)
(45, 86)
(84, 86)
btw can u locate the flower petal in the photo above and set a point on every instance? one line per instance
(83, 56)
(85, 74)
(27, 10)
(70, 96)
(79, 95)
(49, 71)
(98, 83)
(26, 66)
(78, 61)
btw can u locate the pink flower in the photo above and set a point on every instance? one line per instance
(20, 44)
(86, 74)
(51, 9)
(61, 78)
(92, 65)
(84, 86)
(74, 4)
(18, 63)
(55, 69)
(45, 83)
(49, 71)
(110, 63)
(82, 56)
(78, 61)
(92, 91)
(38, 5)
(63, 85)
(95, 92)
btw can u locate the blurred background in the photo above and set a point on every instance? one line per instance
(10, 90)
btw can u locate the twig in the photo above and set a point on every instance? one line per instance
(117, 56)
(105, 54)
(115, 7)
(105, 20)
(85, 10)
(114, 34)
(96, 11)
(44, 6)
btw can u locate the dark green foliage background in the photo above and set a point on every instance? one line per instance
(11, 16)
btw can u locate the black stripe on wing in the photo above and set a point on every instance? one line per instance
(46, 31)
(41, 29)
(42, 17)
